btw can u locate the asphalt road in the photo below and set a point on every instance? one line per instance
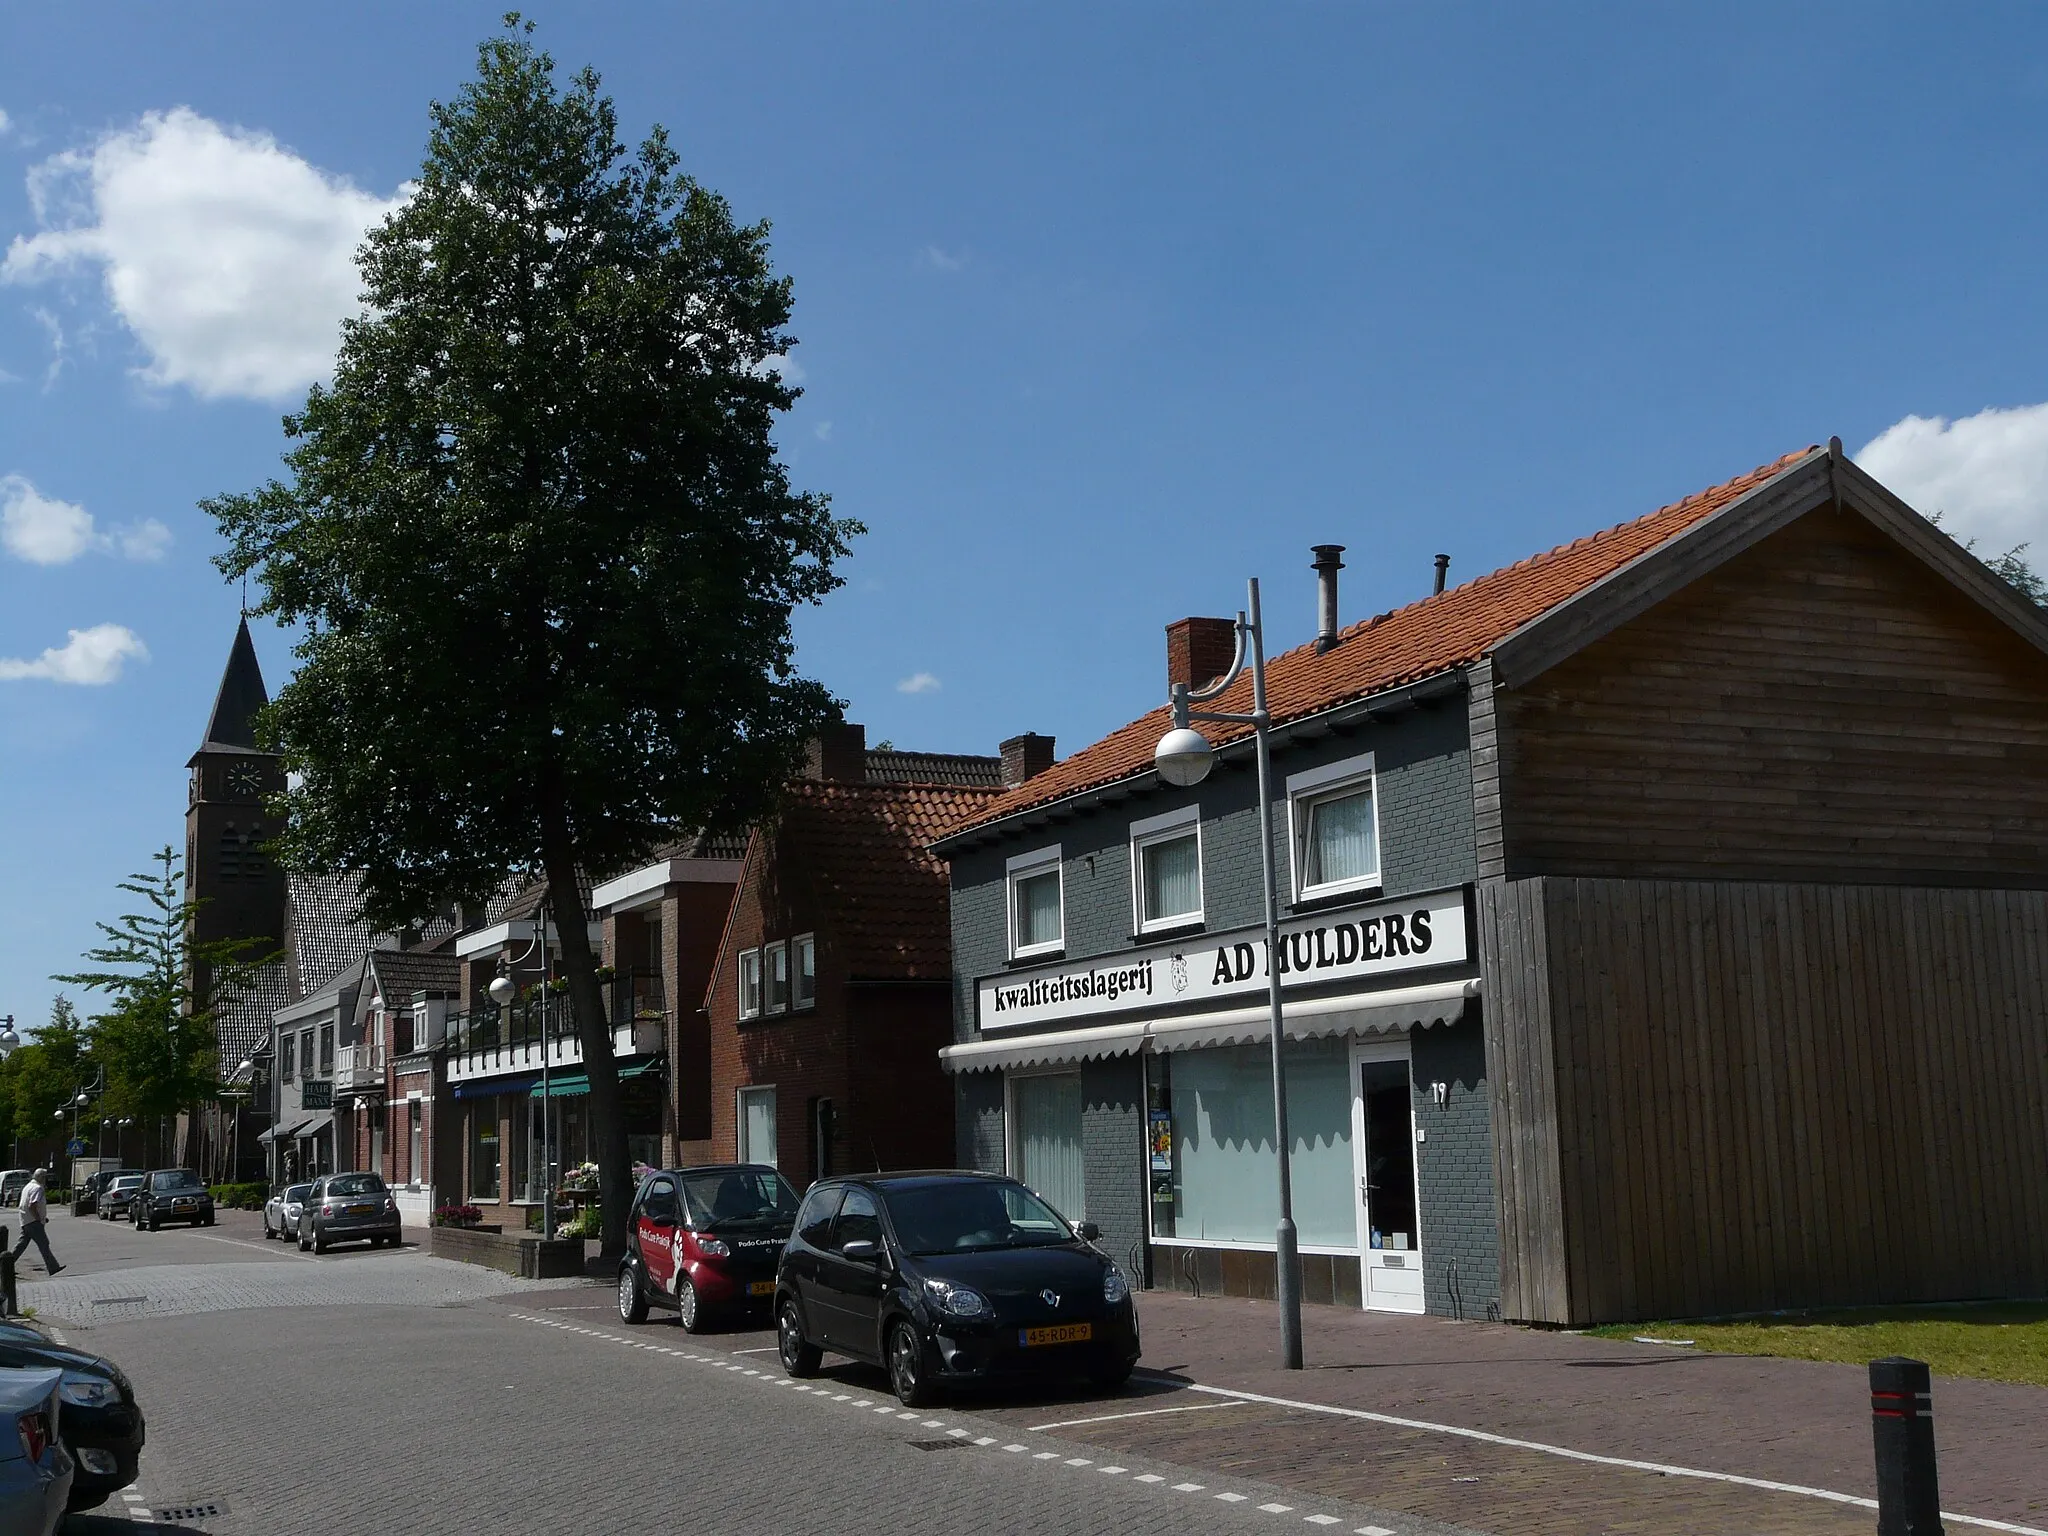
(391, 1390)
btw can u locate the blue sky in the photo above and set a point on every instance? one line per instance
(1103, 308)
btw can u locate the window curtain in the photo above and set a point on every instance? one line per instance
(757, 1126)
(1341, 839)
(1225, 1178)
(1038, 909)
(1173, 878)
(1048, 1140)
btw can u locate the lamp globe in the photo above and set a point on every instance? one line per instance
(502, 990)
(1183, 757)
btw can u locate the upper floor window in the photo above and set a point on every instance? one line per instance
(803, 966)
(288, 1056)
(1166, 869)
(750, 983)
(775, 960)
(326, 1047)
(1335, 827)
(1037, 923)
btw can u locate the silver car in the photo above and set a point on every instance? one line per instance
(348, 1208)
(281, 1210)
(113, 1200)
(35, 1469)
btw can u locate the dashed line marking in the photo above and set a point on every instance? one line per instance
(1187, 1487)
(1277, 1509)
(1148, 1477)
(1233, 1498)
(1112, 1471)
(1078, 1461)
(1322, 1519)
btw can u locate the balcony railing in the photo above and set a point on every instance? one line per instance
(635, 995)
(358, 1066)
(488, 1039)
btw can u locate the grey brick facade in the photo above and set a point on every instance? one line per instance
(1423, 783)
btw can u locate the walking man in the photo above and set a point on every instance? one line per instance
(35, 1216)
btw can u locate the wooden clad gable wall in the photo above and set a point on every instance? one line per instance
(1786, 1094)
(1821, 706)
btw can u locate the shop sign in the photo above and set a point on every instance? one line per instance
(316, 1092)
(1387, 937)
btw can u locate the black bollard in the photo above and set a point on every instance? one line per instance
(9, 1307)
(1902, 1429)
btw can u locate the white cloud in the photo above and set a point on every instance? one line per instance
(941, 260)
(791, 370)
(1986, 475)
(919, 682)
(6, 122)
(45, 531)
(229, 257)
(822, 431)
(90, 657)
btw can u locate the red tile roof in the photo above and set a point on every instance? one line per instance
(866, 850)
(1451, 629)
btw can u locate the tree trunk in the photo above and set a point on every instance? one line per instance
(593, 1028)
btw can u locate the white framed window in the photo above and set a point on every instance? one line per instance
(1334, 831)
(750, 983)
(1166, 869)
(803, 966)
(775, 962)
(757, 1125)
(1037, 907)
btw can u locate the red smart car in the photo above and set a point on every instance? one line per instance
(706, 1241)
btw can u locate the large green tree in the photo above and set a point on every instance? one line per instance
(537, 532)
(40, 1078)
(156, 1040)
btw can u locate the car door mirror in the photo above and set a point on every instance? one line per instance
(1087, 1231)
(862, 1250)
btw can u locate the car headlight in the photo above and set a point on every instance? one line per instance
(89, 1391)
(1114, 1287)
(957, 1300)
(713, 1248)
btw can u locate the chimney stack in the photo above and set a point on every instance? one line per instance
(839, 752)
(1026, 757)
(1443, 564)
(1199, 651)
(1326, 567)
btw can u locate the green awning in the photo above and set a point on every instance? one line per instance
(567, 1085)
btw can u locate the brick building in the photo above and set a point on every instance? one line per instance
(1662, 934)
(831, 996)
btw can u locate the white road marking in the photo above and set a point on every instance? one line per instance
(1373, 1530)
(986, 1440)
(1139, 1413)
(1148, 1477)
(1187, 1487)
(1632, 1464)
(1278, 1509)
(1079, 1461)
(1233, 1498)
(288, 1252)
(1046, 1456)
(1014, 1447)
(1321, 1519)
(1112, 1471)
(765, 1349)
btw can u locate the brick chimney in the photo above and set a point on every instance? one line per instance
(1026, 757)
(1199, 651)
(840, 752)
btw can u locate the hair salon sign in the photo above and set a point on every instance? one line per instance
(1415, 933)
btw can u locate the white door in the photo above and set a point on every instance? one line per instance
(1383, 1134)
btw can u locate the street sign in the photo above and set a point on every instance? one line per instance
(75, 1147)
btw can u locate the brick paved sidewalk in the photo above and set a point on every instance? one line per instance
(1790, 1421)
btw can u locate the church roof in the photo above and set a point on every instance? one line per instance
(232, 726)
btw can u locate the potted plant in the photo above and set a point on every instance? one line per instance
(467, 1216)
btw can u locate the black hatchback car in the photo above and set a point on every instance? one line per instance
(705, 1241)
(950, 1278)
(100, 1422)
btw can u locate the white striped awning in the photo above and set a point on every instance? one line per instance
(1439, 1002)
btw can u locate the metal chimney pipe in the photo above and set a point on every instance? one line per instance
(1327, 565)
(1443, 564)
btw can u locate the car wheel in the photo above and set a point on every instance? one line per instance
(304, 1245)
(319, 1241)
(798, 1358)
(1110, 1378)
(906, 1368)
(632, 1305)
(688, 1310)
(207, 1222)
(153, 1222)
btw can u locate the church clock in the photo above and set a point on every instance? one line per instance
(245, 780)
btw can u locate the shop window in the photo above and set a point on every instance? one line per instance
(1037, 923)
(1045, 1139)
(803, 965)
(750, 984)
(757, 1126)
(775, 962)
(520, 1154)
(483, 1149)
(1210, 1144)
(1166, 867)
(1334, 821)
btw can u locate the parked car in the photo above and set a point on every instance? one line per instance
(949, 1278)
(11, 1182)
(348, 1208)
(171, 1194)
(704, 1242)
(117, 1194)
(281, 1210)
(35, 1469)
(100, 1424)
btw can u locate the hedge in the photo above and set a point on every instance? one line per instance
(239, 1197)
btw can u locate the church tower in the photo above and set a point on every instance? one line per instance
(241, 887)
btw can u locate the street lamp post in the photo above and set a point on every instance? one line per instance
(1184, 758)
(503, 990)
(10, 1042)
